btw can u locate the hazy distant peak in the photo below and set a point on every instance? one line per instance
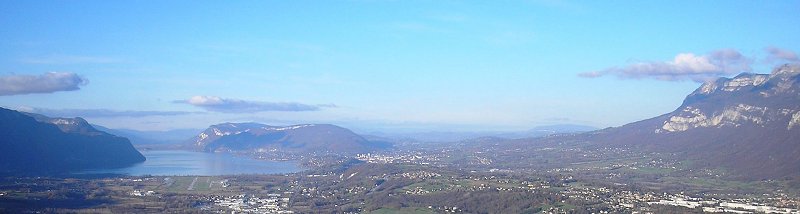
(786, 70)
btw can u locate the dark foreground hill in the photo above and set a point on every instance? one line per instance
(36, 144)
(749, 124)
(254, 137)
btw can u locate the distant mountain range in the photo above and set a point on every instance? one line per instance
(149, 138)
(749, 124)
(255, 137)
(453, 136)
(36, 144)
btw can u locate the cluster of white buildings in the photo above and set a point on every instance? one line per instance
(413, 158)
(633, 201)
(273, 203)
(142, 193)
(420, 175)
(715, 205)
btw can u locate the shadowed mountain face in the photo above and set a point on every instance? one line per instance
(36, 144)
(749, 124)
(297, 138)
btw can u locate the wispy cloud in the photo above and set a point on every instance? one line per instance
(70, 59)
(228, 105)
(775, 54)
(100, 112)
(45, 83)
(685, 66)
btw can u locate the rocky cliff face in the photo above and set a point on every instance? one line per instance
(35, 144)
(749, 124)
(746, 100)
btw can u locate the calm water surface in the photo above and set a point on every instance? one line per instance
(175, 162)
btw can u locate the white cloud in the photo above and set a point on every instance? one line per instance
(99, 112)
(777, 54)
(684, 66)
(45, 83)
(228, 105)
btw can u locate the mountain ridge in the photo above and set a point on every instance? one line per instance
(258, 137)
(748, 124)
(36, 144)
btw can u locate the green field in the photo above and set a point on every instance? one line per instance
(415, 210)
(185, 184)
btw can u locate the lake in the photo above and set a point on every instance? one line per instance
(176, 162)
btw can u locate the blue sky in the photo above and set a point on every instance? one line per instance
(380, 65)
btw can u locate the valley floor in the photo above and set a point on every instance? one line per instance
(474, 178)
